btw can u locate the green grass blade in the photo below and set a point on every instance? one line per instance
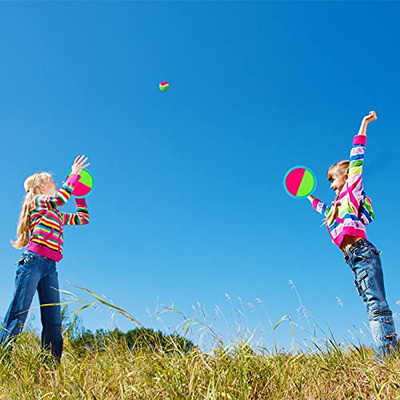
(82, 308)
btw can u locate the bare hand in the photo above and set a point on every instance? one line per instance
(79, 164)
(370, 117)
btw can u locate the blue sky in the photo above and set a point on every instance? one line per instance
(189, 209)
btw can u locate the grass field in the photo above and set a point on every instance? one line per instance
(116, 371)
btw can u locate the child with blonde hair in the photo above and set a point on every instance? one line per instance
(40, 227)
(346, 219)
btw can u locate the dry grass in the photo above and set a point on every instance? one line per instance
(234, 372)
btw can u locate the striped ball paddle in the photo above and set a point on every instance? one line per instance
(299, 182)
(85, 184)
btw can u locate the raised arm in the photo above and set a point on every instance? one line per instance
(319, 206)
(60, 197)
(365, 121)
(81, 217)
(358, 148)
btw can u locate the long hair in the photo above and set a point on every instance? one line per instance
(31, 188)
(341, 168)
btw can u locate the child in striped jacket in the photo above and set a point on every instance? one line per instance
(41, 228)
(345, 220)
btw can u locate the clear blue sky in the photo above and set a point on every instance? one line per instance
(189, 206)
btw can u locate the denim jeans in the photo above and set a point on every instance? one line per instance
(35, 272)
(365, 262)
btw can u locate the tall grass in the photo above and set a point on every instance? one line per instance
(230, 372)
(237, 370)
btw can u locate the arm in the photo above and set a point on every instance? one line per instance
(81, 217)
(60, 197)
(358, 148)
(365, 121)
(319, 206)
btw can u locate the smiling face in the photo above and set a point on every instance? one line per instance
(337, 175)
(337, 182)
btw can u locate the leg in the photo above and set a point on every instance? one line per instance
(29, 272)
(370, 285)
(50, 315)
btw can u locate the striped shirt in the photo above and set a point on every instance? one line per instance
(347, 219)
(47, 222)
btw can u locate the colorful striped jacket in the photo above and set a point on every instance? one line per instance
(46, 222)
(354, 209)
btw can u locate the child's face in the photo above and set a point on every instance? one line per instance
(49, 187)
(337, 182)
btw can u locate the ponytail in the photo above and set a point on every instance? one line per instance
(340, 168)
(330, 217)
(24, 224)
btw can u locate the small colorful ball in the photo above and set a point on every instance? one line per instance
(164, 86)
(299, 182)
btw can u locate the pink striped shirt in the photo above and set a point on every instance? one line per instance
(47, 222)
(347, 219)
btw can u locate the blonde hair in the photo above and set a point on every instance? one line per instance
(32, 190)
(341, 168)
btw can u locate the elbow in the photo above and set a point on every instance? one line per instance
(60, 201)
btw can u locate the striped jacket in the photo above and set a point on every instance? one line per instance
(353, 207)
(47, 222)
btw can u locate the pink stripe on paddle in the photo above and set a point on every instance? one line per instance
(293, 180)
(81, 189)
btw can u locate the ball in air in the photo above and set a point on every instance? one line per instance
(164, 86)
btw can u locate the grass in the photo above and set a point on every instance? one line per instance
(231, 372)
(112, 369)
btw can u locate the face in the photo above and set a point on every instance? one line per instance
(49, 187)
(337, 182)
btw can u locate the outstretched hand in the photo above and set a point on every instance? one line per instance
(79, 164)
(311, 198)
(370, 117)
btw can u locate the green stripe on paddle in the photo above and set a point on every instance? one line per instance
(306, 185)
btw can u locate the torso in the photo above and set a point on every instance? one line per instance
(348, 241)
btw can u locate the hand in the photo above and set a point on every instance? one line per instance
(79, 164)
(370, 117)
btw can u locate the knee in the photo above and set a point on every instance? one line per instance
(381, 314)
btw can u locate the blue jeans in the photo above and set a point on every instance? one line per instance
(364, 260)
(35, 272)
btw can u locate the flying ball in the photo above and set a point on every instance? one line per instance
(85, 184)
(164, 86)
(299, 182)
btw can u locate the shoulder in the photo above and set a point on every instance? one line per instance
(41, 202)
(33, 203)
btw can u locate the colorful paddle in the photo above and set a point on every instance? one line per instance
(85, 184)
(299, 182)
